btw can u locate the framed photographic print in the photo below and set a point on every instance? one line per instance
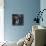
(17, 19)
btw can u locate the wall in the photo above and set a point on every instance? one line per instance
(43, 6)
(26, 7)
(1, 20)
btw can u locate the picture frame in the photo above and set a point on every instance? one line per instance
(17, 19)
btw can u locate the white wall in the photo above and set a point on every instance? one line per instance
(1, 20)
(43, 6)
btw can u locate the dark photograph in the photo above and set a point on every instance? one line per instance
(17, 19)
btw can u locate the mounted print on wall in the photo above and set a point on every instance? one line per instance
(17, 19)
